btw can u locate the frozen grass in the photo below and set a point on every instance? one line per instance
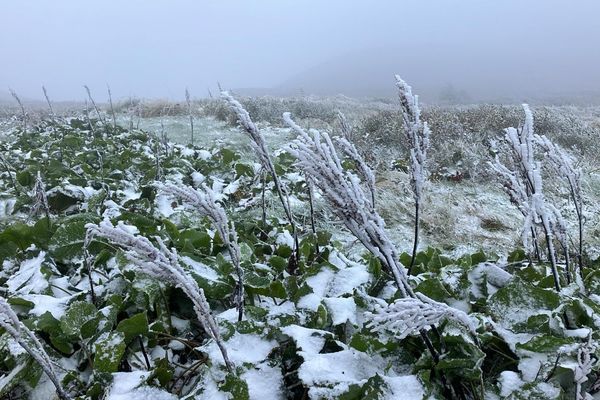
(466, 211)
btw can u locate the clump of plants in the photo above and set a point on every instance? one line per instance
(132, 266)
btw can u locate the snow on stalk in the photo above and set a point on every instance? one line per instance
(205, 200)
(363, 169)
(585, 363)
(30, 343)
(163, 264)
(563, 165)
(41, 200)
(260, 148)
(417, 133)
(525, 188)
(316, 156)
(408, 315)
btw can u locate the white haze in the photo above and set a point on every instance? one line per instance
(491, 50)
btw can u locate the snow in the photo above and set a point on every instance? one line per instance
(509, 382)
(404, 388)
(309, 341)
(129, 386)
(241, 348)
(341, 309)
(285, 238)
(164, 206)
(200, 268)
(330, 375)
(198, 178)
(203, 154)
(319, 282)
(264, 383)
(346, 280)
(310, 301)
(29, 278)
(43, 303)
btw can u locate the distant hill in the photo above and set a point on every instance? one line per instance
(440, 73)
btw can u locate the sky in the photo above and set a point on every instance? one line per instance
(157, 48)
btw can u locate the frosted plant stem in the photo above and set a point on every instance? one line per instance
(190, 114)
(416, 240)
(30, 343)
(112, 109)
(23, 113)
(163, 264)
(48, 101)
(312, 212)
(205, 201)
(417, 134)
(260, 148)
(89, 93)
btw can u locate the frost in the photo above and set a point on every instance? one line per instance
(408, 316)
(243, 348)
(30, 343)
(43, 304)
(264, 383)
(341, 309)
(309, 341)
(131, 386)
(29, 278)
(509, 383)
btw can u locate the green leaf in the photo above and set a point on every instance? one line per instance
(237, 387)
(109, 349)
(25, 178)
(77, 316)
(433, 288)
(134, 326)
(278, 263)
(544, 344)
(278, 290)
(171, 229)
(519, 300)
(67, 242)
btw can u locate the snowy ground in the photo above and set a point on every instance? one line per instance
(459, 217)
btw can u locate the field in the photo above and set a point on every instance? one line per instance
(145, 266)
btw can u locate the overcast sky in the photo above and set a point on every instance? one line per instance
(155, 48)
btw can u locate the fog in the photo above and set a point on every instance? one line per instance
(471, 49)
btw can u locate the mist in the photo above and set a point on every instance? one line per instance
(480, 50)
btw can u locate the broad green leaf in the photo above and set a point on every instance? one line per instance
(109, 349)
(134, 326)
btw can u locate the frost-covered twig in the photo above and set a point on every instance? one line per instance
(527, 190)
(112, 108)
(516, 190)
(365, 172)
(585, 363)
(30, 343)
(563, 165)
(41, 200)
(345, 127)
(89, 93)
(23, 112)
(48, 102)
(163, 264)
(417, 133)
(407, 316)
(191, 115)
(205, 199)
(260, 148)
(316, 156)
